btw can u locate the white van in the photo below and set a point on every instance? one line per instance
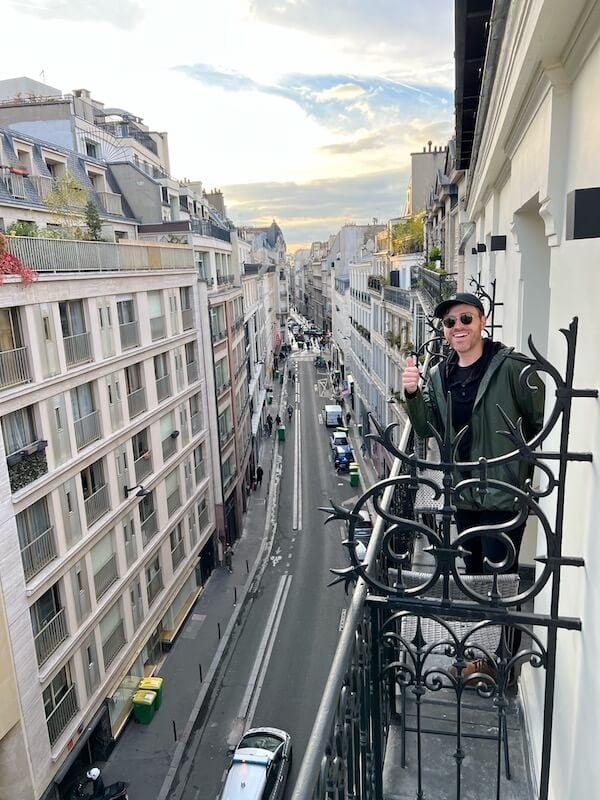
(333, 415)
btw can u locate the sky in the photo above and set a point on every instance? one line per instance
(302, 111)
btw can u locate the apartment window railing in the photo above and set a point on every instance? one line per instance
(113, 644)
(225, 436)
(169, 446)
(223, 385)
(158, 328)
(203, 518)
(400, 297)
(137, 614)
(77, 349)
(187, 318)
(130, 336)
(200, 471)
(173, 501)
(42, 184)
(163, 388)
(62, 714)
(149, 527)
(228, 480)
(136, 402)
(142, 467)
(111, 203)
(87, 429)
(217, 336)
(178, 554)
(192, 371)
(38, 553)
(51, 636)
(224, 280)
(97, 504)
(196, 422)
(130, 550)
(106, 576)
(14, 367)
(155, 586)
(174, 322)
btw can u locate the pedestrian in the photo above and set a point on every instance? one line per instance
(229, 557)
(483, 379)
(278, 420)
(476, 363)
(329, 365)
(348, 418)
(270, 423)
(94, 776)
(259, 475)
(289, 374)
(363, 449)
(340, 421)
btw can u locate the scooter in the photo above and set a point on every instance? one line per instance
(115, 791)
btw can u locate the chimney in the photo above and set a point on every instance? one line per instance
(429, 143)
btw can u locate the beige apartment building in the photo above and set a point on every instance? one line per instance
(106, 492)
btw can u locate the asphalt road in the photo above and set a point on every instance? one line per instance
(281, 660)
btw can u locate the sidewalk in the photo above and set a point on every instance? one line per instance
(148, 756)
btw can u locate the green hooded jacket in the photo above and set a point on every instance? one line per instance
(499, 386)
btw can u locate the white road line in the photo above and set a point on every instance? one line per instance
(261, 650)
(267, 655)
(342, 620)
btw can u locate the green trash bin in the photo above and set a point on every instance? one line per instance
(276, 374)
(359, 429)
(154, 684)
(269, 399)
(143, 706)
(281, 433)
(354, 474)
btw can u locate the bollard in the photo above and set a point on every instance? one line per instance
(174, 731)
(235, 595)
(200, 670)
(247, 567)
(219, 629)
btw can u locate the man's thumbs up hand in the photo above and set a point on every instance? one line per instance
(410, 376)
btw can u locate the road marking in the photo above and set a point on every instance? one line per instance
(342, 620)
(297, 492)
(272, 630)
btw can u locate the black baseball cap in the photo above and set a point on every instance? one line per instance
(466, 298)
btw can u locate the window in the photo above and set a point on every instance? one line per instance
(92, 479)
(92, 149)
(72, 317)
(140, 444)
(82, 400)
(134, 377)
(18, 429)
(33, 522)
(10, 330)
(56, 693)
(126, 311)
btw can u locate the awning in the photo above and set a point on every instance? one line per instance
(259, 406)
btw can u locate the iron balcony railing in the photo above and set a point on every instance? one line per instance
(106, 576)
(111, 202)
(158, 327)
(200, 472)
(196, 422)
(225, 437)
(115, 642)
(14, 367)
(178, 554)
(97, 504)
(202, 227)
(142, 467)
(130, 336)
(163, 388)
(192, 371)
(38, 553)
(78, 349)
(136, 402)
(435, 285)
(169, 446)
(155, 586)
(149, 527)
(397, 296)
(43, 185)
(187, 318)
(88, 429)
(217, 336)
(224, 280)
(115, 410)
(223, 385)
(70, 255)
(62, 714)
(15, 185)
(173, 502)
(136, 613)
(203, 518)
(51, 636)
(130, 550)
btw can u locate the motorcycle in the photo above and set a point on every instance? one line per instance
(290, 411)
(115, 791)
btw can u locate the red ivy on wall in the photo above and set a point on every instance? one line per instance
(11, 265)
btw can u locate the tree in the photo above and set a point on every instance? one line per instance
(92, 221)
(66, 203)
(23, 228)
(11, 265)
(407, 236)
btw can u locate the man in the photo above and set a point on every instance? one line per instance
(229, 558)
(97, 783)
(259, 475)
(269, 423)
(481, 375)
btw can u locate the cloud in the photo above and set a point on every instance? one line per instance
(124, 14)
(403, 136)
(312, 211)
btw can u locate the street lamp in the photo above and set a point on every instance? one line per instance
(141, 493)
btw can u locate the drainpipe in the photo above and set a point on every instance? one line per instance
(496, 35)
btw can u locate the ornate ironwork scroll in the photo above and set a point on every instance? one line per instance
(423, 630)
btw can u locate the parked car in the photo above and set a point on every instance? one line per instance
(343, 457)
(338, 437)
(362, 533)
(260, 766)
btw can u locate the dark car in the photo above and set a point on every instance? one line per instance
(260, 766)
(343, 457)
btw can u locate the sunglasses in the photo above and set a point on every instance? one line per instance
(466, 318)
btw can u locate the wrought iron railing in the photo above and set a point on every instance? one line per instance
(87, 429)
(115, 642)
(387, 649)
(158, 327)
(149, 527)
(106, 576)
(130, 550)
(78, 349)
(143, 467)
(62, 714)
(14, 367)
(196, 422)
(187, 318)
(38, 553)
(111, 203)
(173, 501)
(192, 371)
(203, 518)
(178, 554)
(169, 446)
(97, 504)
(200, 472)
(129, 333)
(163, 388)
(136, 402)
(397, 296)
(155, 586)
(51, 636)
